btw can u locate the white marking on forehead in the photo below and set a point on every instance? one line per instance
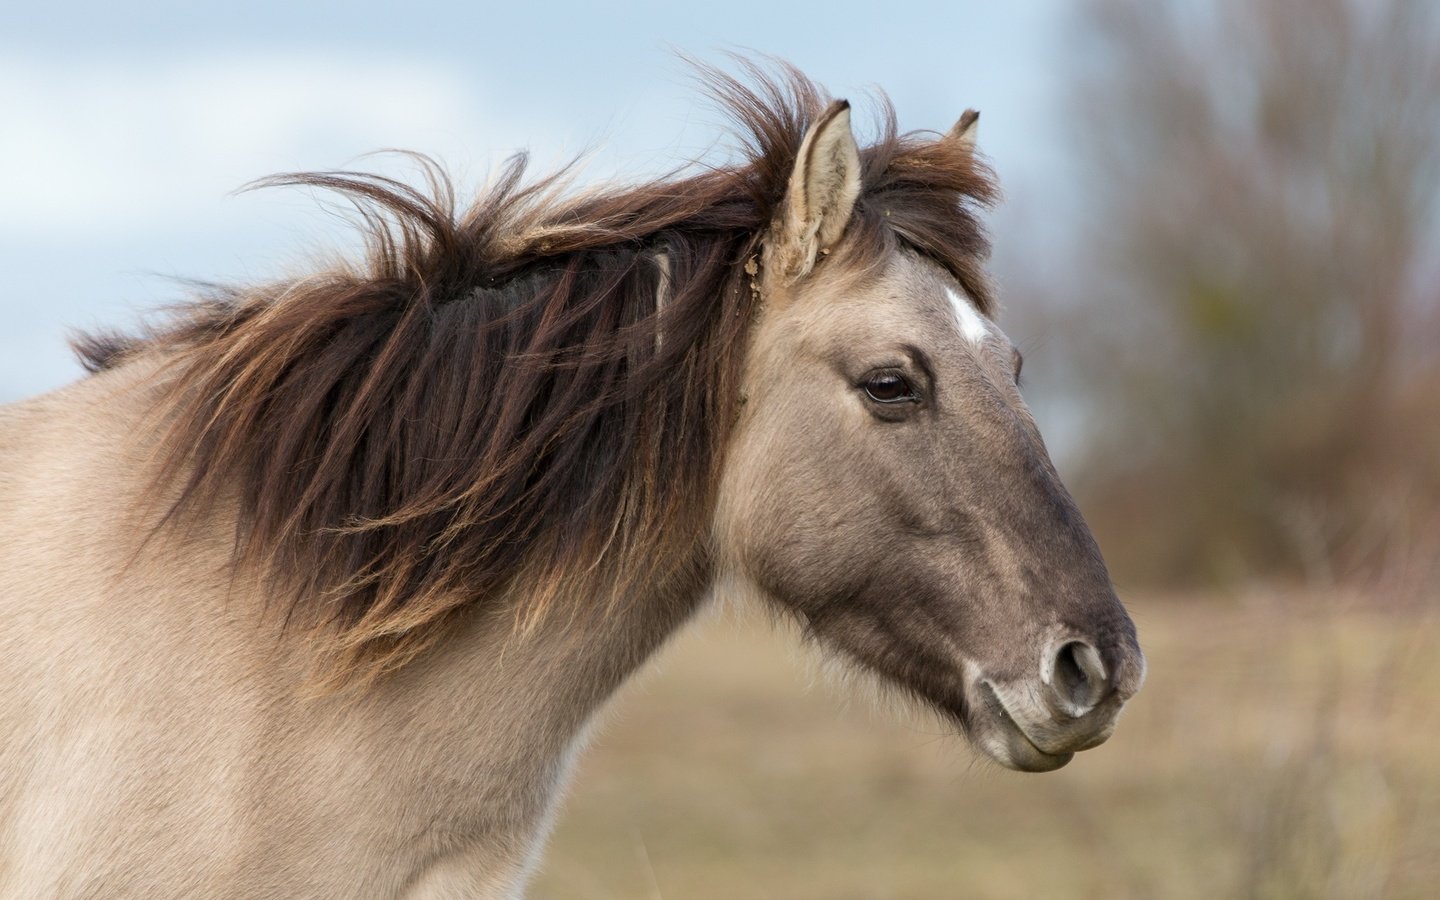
(974, 326)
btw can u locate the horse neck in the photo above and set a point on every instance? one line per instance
(505, 710)
(556, 673)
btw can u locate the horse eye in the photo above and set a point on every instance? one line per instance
(889, 387)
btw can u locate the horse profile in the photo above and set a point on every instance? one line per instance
(312, 589)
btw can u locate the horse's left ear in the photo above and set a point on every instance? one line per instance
(966, 130)
(821, 195)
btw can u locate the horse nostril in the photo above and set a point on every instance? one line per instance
(1078, 677)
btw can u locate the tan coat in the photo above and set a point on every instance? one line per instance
(841, 435)
(158, 738)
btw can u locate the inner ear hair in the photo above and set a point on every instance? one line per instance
(822, 192)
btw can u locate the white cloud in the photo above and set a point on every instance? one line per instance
(104, 146)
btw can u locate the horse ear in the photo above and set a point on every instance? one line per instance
(821, 194)
(966, 130)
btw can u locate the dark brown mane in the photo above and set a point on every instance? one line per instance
(486, 396)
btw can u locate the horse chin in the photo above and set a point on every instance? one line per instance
(963, 696)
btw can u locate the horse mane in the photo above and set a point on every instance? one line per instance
(493, 399)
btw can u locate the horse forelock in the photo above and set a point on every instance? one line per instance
(483, 406)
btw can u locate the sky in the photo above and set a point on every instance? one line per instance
(128, 131)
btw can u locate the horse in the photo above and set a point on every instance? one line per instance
(314, 588)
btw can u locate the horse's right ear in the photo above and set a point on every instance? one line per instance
(821, 195)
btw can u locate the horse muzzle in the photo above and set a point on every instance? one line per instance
(1072, 703)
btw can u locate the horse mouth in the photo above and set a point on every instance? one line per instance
(996, 733)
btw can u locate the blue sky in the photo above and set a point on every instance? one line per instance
(128, 130)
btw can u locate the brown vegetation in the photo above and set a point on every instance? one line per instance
(1283, 748)
(1265, 179)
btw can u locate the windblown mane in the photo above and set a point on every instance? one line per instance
(485, 395)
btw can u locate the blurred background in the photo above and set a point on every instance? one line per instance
(1219, 250)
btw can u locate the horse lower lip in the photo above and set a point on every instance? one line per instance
(1039, 760)
(1044, 760)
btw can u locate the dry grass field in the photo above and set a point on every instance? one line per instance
(1287, 744)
